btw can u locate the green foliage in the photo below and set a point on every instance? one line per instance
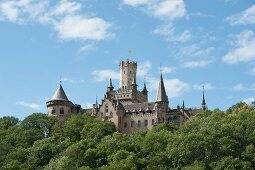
(209, 140)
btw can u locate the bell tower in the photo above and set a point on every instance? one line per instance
(127, 74)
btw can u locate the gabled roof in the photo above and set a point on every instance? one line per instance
(161, 95)
(60, 94)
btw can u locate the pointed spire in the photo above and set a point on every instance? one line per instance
(183, 106)
(60, 94)
(161, 95)
(110, 87)
(144, 87)
(203, 100)
(96, 103)
(110, 83)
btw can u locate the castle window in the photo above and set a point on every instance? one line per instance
(106, 108)
(163, 119)
(61, 111)
(130, 72)
(145, 122)
(139, 123)
(132, 123)
(111, 114)
(53, 111)
(125, 125)
(152, 121)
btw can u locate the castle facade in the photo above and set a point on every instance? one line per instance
(127, 107)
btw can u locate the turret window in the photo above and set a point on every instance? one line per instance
(139, 123)
(132, 123)
(53, 111)
(62, 111)
(145, 122)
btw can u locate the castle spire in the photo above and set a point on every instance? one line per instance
(60, 94)
(110, 87)
(96, 103)
(183, 106)
(203, 100)
(110, 83)
(144, 87)
(161, 95)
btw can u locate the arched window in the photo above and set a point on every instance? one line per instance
(62, 111)
(106, 108)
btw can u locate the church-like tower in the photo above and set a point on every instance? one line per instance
(127, 74)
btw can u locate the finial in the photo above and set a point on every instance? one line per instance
(160, 68)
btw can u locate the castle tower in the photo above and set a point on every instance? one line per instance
(59, 105)
(161, 95)
(162, 99)
(145, 91)
(204, 106)
(127, 74)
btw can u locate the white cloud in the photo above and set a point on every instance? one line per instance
(249, 100)
(162, 9)
(143, 69)
(66, 79)
(102, 75)
(65, 17)
(169, 9)
(174, 87)
(85, 49)
(66, 7)
(241, 87)
(82, 28)
(195, 64)
(246, 17)
(168, 32)
(207, 86)
(244, 50)
(167, 70)
(29, 105)
(21, 11)
(136, 3)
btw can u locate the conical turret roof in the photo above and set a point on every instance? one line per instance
(60, 94)
(161, 96)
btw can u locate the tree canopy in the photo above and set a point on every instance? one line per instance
(209, 140)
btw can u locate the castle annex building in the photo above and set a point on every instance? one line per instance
(127, 107)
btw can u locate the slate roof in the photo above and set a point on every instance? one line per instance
(60, 94)
(135, 107)
(161, 96)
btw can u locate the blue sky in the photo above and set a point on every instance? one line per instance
(198, 42)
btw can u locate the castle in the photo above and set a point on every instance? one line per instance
(127, 107)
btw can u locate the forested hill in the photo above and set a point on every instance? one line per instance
(210, 140)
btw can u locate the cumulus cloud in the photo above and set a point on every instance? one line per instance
(243, 50)
(29, 105)
(102, 75)
(174, 87)
(162, 9)
(65, 17)
(246, 17)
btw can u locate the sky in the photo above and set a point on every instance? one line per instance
(194, 43)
